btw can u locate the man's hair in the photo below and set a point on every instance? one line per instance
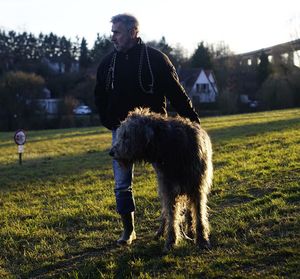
(128, 20)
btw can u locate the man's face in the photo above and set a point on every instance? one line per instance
(122, 38)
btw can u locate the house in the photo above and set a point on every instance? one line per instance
(60, 67)
(50, 106)
(199, 84)
(46, 104)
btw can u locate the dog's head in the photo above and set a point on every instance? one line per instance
(133, 139)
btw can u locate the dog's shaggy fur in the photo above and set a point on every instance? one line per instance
(181, 154)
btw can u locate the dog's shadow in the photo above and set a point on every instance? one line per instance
(145, 253)
(146, 256)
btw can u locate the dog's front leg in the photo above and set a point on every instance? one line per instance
(160, 179)
(171, 224)
(161, 230)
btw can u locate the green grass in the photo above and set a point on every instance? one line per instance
(58, 219)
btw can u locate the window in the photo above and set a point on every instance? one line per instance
(202, 88)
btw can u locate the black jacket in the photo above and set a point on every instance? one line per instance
(123, 84)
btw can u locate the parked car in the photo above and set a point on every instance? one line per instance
(253, 104)
(82, 110)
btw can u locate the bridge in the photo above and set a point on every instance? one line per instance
(275, 53)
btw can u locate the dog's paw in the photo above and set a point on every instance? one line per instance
(167, 248)
(204, 245)
(169, 245)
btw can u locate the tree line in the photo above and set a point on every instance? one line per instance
(25, 71)
(25, 51)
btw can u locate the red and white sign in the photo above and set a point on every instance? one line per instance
(20, 137)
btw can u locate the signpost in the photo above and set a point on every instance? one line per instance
(20, 139)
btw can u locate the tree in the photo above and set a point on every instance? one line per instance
(201, 58)
(165, 47)
(84, 58)
(224, 64)
(220, 50)
(180, 55)
(277, 93)
(4, 55)
(176, 54)
(65, 54)
(162, 45)
(102, 46)
(18, 90)
(50, 46)
(228, 101)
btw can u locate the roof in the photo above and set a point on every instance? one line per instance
(188, 76)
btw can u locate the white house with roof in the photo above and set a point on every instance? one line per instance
(200, 85)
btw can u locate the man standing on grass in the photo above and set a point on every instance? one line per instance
(134, 75)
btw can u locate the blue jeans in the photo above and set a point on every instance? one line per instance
(123, 185)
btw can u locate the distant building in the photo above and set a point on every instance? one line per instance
(46, 93)
(50, 106)
(199, 84)
(60, 67)
(46, 104)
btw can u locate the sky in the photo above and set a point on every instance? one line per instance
(242, 25)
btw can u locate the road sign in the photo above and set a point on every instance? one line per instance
(20, 137)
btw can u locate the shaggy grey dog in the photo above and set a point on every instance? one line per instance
(181, 154)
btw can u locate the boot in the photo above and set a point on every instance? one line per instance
(128, 234)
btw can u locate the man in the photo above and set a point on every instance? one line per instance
(134, 75)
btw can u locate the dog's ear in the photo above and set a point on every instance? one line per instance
(149, 134)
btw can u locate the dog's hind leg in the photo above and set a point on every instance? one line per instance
(187, 225)
(199, 212)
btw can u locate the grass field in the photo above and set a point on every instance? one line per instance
(58, 219)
